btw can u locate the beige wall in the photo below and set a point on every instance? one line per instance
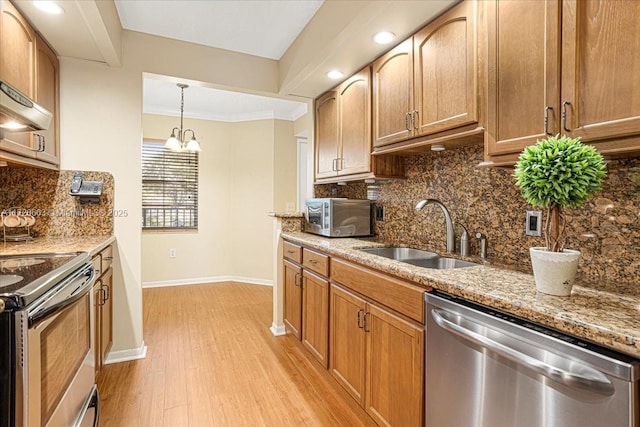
(285, 169)
(246, 169)
(101, 129)
(200, 253)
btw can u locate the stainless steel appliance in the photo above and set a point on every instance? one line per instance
(20, 113)
(335, 217)
(47, 360)
(485, 368)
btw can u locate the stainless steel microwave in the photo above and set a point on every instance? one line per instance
(334, 217)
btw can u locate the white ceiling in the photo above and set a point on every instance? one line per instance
(162, 96)
(263, 28)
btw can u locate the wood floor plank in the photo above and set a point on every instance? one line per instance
(212, 361)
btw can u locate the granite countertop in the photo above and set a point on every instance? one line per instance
(91, 244)
(607, 318)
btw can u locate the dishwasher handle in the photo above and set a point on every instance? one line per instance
(587, 379)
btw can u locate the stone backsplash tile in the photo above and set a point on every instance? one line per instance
(45, 194)
(606, 230)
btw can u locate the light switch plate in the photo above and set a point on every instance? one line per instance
(533, 225)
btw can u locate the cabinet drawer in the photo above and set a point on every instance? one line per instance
(292, 252)
(107, 258)
(399, 295)
(315, 261)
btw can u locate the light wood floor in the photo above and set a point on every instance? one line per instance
(212, 361)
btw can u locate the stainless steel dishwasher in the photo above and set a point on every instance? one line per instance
(485, 368)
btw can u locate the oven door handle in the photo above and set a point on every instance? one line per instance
(68, 293)
(584, 377)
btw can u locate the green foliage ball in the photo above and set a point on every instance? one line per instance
(559, 171)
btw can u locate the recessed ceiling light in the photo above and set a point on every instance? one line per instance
(384, 37)
(48, 7)
(335, 74)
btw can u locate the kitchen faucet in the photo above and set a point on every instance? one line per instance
(451, 238)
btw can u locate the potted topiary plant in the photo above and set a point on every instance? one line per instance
(556, 173)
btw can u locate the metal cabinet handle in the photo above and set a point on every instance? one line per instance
(564, 116)
(290, 251)
(107, 292)
(364, 325)
(108, 258)
(406, 121)
(339, 164)
(296, 281)
(313, 261)
(546, 119)
(103, 298)
(359, 317)
(415, 115)
(581, 377)
(44, 143)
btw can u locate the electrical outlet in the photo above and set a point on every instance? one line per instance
(533, 226)
(290, 207)
(379, 213)
(172, 253)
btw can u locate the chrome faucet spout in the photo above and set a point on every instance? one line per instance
(451, 238)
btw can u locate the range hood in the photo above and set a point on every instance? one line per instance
(18, 113)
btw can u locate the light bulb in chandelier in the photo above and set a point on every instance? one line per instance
(178, 139)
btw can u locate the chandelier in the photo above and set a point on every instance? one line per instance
(178, 139)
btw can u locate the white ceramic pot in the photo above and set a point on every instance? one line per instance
(554, 272)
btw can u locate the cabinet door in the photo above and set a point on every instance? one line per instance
(600, 68)
(327, 140)
(47, 96)
(106, 327)
(395, 375)
(523, 73)
(17, 41)
(445, 67)
(292, 299)
(393, 95)
(97, 326)
(354, 97)
(347, 341)
(315, 315)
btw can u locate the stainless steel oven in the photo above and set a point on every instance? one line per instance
(50, 341)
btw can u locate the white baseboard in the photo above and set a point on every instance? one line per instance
(203, 280)
(277, 330)
(127, 355)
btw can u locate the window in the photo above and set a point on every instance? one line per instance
(169, 187)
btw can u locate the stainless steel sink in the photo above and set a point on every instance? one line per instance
(418, 257)
(400, 253)
(441, 263)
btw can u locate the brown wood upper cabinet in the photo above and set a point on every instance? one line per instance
(428, 84)
(30, 65)
(343, 134)
(562, 67)
(47, 95)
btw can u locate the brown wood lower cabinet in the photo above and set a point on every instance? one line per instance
(306, 299)
(364, 326)
(103, 306)
(315, 315)
(347, 341)
(292, 299)
(377, 356)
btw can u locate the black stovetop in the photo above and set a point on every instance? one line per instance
(23, 278)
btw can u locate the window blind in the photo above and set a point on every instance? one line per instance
(169, 187)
